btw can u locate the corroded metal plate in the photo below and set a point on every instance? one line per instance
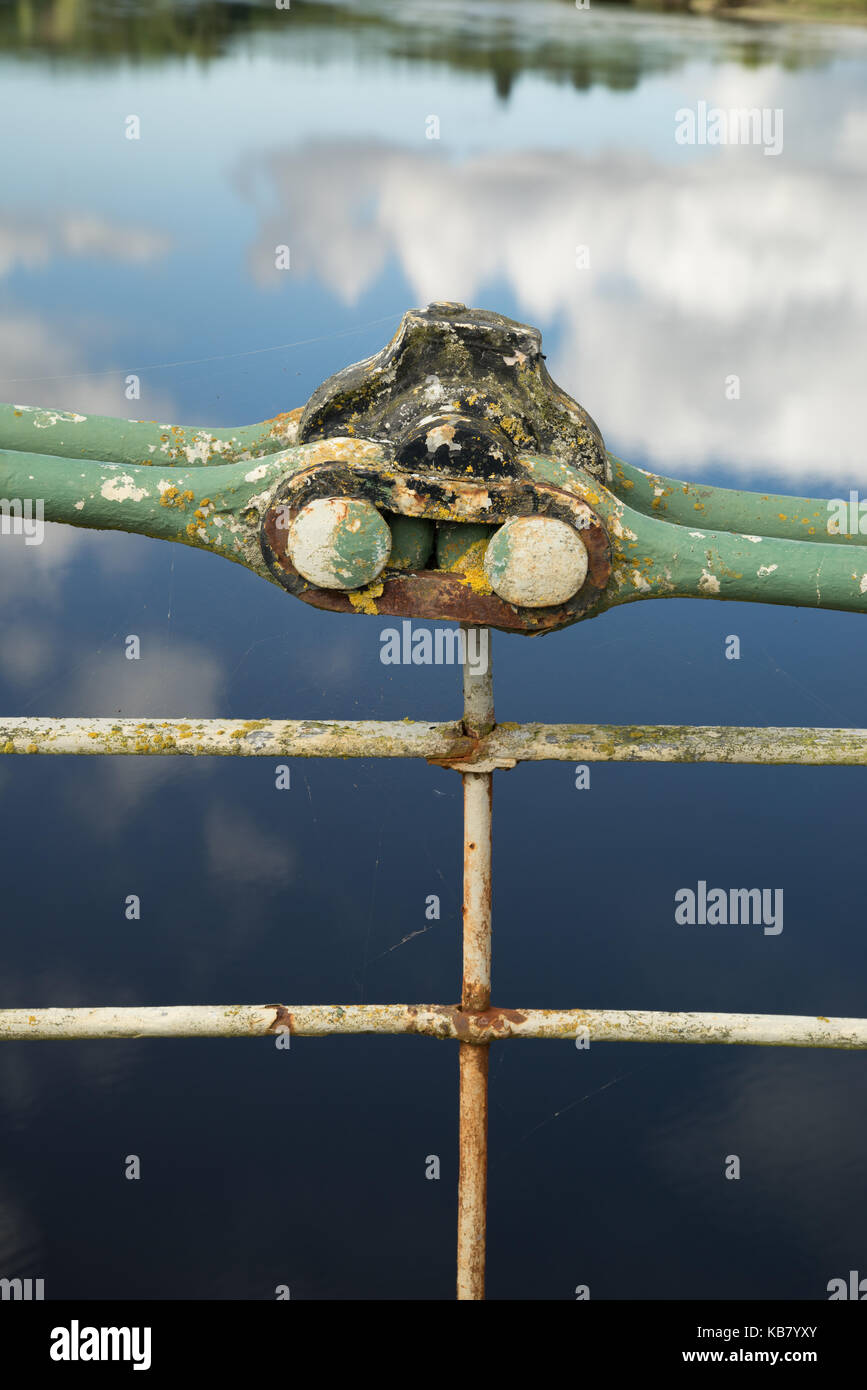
(432, 593)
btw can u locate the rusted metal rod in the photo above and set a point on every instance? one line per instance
(447, 743)
(476, 990)
(444, 1021)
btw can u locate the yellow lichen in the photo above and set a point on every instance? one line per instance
(470, 564)
(364, 600)
(172, 497)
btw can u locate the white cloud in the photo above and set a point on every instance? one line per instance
(25, 655)
(40, 573)
(33, 242)
(237, 850)
(168, 681)
(787, 1124)
(171, 679)
(730, 262)
(36, 571)
(41, 365)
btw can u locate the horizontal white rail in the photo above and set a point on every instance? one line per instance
(506, 745)
(432, 1020)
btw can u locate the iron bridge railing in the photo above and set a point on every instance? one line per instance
(447, 477)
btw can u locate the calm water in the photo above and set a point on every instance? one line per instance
(262, 1167)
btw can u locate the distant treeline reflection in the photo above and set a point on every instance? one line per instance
(504, 42)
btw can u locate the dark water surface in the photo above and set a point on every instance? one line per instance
(307, 1167)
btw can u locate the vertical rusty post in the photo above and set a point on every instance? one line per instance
(476, 992)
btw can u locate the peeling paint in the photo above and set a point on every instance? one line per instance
(121, 489)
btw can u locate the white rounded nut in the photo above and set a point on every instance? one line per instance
(339, 542)
(536, 561)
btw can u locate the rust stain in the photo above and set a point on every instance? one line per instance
(472, 1171)
(463, 749)
(438, 594)
(488, 1025)
(479, 1027)
(283, 1020)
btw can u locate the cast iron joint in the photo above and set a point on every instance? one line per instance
(455, 525)
(457, 390)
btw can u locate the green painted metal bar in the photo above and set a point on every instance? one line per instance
(217, 509)
(63, 433)
(663, 560)
(201, 508)
(729, 509)
(655, 557)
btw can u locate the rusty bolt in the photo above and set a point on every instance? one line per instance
(536, 561)
(339, 542)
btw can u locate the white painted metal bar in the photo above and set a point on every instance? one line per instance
(476, 986)
(299, 738)
(475, 747)
(443, 1021)
(504, 746)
